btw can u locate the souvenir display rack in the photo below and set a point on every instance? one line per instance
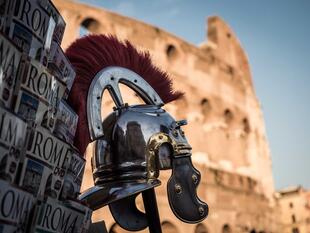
(41, 171)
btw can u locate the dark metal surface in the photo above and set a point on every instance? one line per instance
(122, 153)
(127, 215)
(151, 210)
(142, 140)
(182, 195)
(97, 227)
(99, 196)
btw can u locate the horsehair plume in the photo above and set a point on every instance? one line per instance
(91, 54)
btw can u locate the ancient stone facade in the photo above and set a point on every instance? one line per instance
(294, 204)
(226, 127)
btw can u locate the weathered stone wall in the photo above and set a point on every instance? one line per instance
(226, 127)
(294, 203)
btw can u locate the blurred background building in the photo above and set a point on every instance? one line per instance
(226, 126)
(294, 214)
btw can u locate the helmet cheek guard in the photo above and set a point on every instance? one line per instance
(173, 152)
(181, 188)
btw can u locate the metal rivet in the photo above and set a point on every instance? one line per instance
(194, 178)
(175, 133)
(178, 188)
(201, 210)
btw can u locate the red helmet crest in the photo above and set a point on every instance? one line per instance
(91, 54)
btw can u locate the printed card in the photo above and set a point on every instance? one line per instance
(39, 96)
(12, 144)
(10, 69)
(46, 163)
(66, 122)
(74, 176)
(16, 208)
(60, 65)
(55, 216)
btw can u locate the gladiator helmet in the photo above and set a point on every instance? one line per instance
(134, 142)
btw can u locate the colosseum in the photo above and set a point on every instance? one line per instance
(226, 127)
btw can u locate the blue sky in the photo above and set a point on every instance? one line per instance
(276, 37)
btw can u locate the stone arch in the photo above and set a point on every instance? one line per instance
(228, 115)
(226, 229)
(89, 25)
(168, 227)
(205, 106)
(201, 228)
(246, 125)
(171, 52)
